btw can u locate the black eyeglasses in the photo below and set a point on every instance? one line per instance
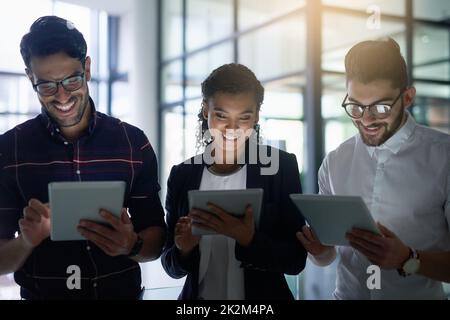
(50, 88)
(378, 110)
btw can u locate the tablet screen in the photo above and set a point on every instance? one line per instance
(331, 217)
(72, 201)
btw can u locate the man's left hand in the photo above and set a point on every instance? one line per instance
(386, 251)
(116, 239)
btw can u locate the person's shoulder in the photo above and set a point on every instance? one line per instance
(432, 136)
(116, 122)
(28, 126)
(270, 151)
(135, 135)
(184, 170)
(345, 149)
(189, 163)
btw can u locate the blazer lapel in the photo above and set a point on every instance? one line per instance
(193, 180)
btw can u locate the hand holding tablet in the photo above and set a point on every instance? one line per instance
(71, 202)
(331, 217)
(234, 202)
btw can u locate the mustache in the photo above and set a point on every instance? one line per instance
(72, 99)
(373, 125)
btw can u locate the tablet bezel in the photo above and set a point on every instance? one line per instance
(72, 201)
(232, 201)
(331, 216)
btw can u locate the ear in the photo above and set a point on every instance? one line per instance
(205, 110)
(87, 68)
(409, 96)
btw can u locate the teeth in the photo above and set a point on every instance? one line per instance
(231, 136)
(64, 107)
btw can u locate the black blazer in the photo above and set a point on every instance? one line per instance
(274, 250)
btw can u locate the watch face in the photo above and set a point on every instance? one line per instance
(411, 266)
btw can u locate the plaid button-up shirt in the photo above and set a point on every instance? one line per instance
(34, 154)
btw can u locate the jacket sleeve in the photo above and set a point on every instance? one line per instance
(173, 263)
(275, 246)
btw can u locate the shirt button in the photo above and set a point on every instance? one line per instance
(376, 199)
(66, 143)
(57, 130)
(94, 284)
(78, 172)
(88, 248)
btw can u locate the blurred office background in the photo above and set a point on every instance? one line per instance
(150, 57)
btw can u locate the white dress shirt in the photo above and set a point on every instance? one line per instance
(406, 185)
(220, 275)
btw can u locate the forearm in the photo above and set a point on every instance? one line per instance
(13, 255)
(325, 258)
(435, 265)
(153, 242)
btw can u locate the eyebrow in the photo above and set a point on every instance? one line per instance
(375, 102)
(76, 73)
(249, 110)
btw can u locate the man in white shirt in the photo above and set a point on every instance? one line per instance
(402, 172)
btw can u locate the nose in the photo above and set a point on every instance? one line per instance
(232, 125)
(367, 117)
(62, 95)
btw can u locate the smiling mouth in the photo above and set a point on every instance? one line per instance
(371, 130)
(64, 108)
(231, 136)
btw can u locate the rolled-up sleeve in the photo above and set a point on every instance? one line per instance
(144, 203)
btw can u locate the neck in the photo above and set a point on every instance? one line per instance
(225, 168)
(74, 132)
(402, 122)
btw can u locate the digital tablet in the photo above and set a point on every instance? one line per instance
(331, 217)
(72, 201)
(233, 201)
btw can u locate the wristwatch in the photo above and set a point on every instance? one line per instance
(137, 247)
(411, 265)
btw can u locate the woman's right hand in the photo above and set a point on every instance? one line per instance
(311, 243)
(184, 239)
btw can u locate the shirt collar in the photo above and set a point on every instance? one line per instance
(53, 128)
(395, 142)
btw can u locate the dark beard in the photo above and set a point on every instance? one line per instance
(386, 134)
(83, 108)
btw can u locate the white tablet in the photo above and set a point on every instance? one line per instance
(331, 217)
(233, 201)
(72, 201)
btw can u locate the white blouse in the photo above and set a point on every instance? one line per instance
(220, 274)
